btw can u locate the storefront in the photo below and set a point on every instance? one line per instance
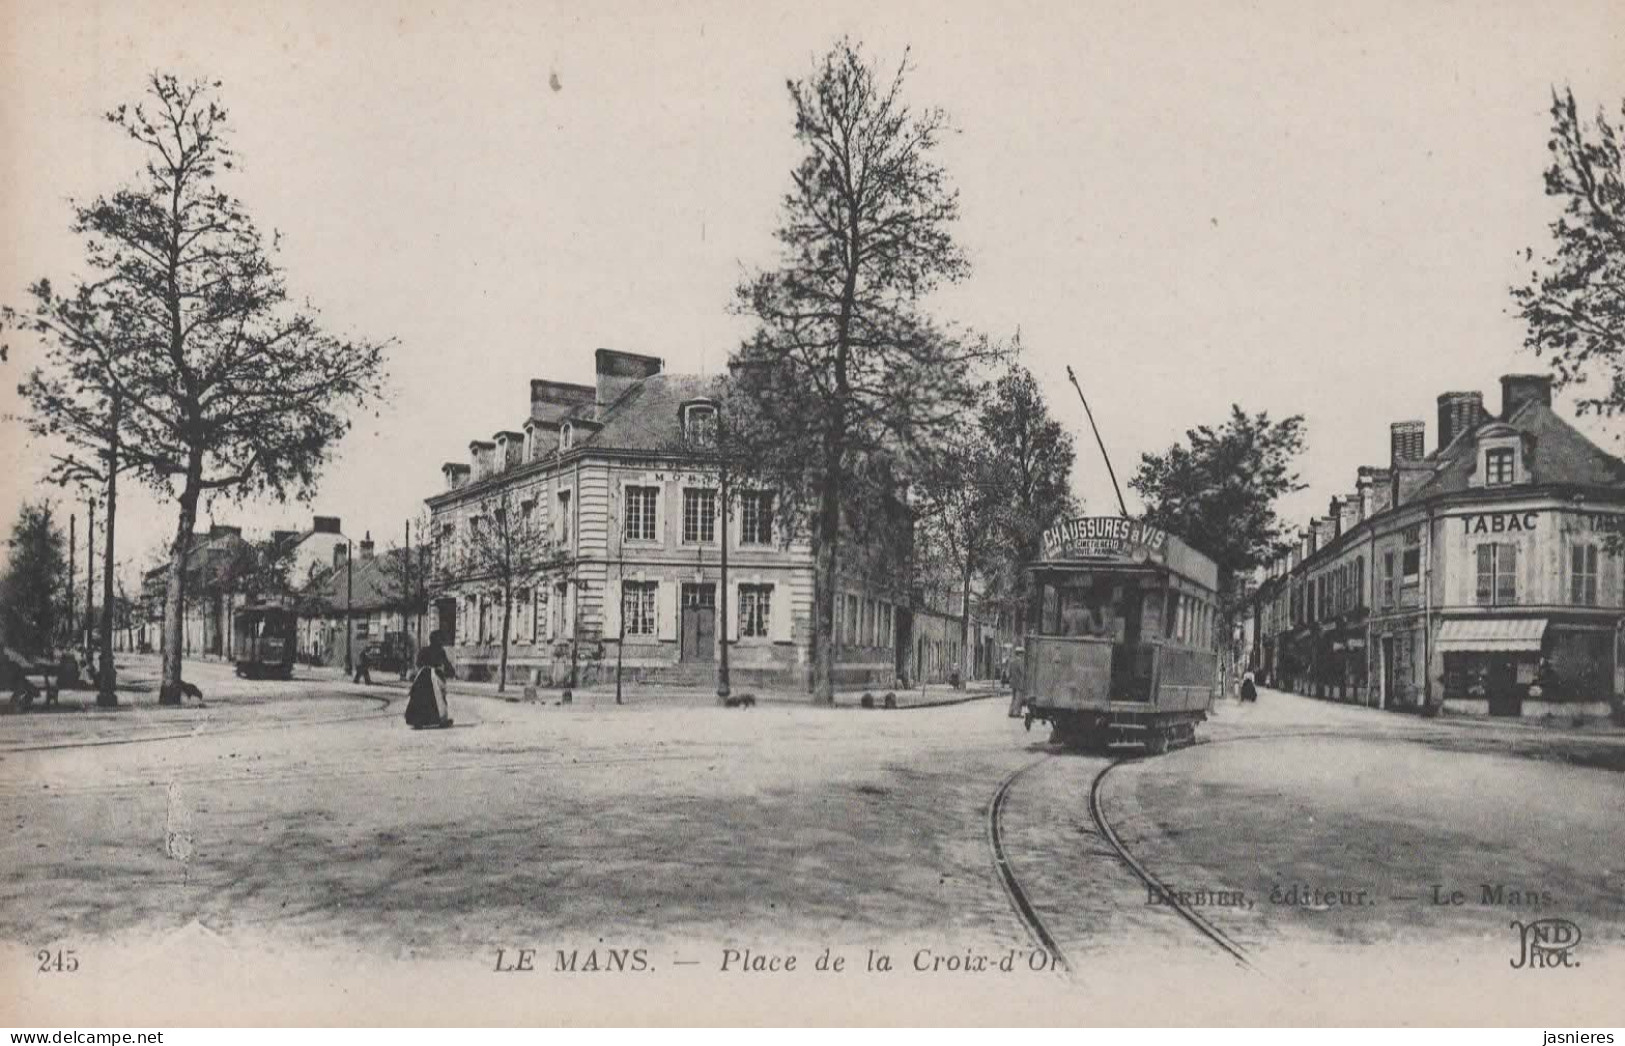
(1491, 663)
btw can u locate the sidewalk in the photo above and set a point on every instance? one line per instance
(930, 696)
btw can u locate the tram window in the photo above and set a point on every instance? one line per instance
(1153, 621)
(1098, 606)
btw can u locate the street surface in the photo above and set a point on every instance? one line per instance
(292, 851)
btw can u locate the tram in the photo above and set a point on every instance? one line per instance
(263, 638)
(1121, 643)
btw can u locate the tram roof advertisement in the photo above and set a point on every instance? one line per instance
(1090, 537)
(1121, 540)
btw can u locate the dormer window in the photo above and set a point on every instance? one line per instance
(700, 423)
(567, 437)
(1498, 464)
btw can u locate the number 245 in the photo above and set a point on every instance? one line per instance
(60, 961)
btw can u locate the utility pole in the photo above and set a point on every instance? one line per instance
(349, 617)
(106, 697)
(723, 689)
(90, 577)
(73, 577)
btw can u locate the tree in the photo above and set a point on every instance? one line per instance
(256, 569)
(406, 571)
(844, 369)
(32, 586)
(1573, 306)
(77, 404)
(960, 498)
(1031, 458)
(1218, 491)
(227, 387)
(506, 544)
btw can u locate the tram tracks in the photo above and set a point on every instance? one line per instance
(1018, 893)
(379, 707)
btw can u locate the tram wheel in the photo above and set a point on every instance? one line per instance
(1156, 741)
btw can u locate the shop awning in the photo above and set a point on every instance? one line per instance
(1487, 635)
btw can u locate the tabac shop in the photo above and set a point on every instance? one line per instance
(1531, 610)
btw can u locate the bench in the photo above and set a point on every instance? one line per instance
(15, 669)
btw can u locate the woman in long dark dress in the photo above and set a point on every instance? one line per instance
(426, 701)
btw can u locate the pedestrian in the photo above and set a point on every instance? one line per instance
(1018, 679)
(426, 701)
(1249, 689)
(363, 673)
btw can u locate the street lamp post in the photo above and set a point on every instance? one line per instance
(349, 616)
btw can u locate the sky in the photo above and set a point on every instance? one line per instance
(1300, 208)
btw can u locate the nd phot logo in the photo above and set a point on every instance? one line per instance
(1545, 944)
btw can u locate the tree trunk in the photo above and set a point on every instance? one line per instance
(507, 627)
(965, 660)
(169, 691)
(825, 541)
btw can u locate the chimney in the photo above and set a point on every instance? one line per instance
(325, 524)
(619, 371)
(552, 400)
(456, 474)
(1518, 389)
(341, 552)
(1334, 520)
(1406, 441)
(1376, 488)
(480, 452)
(1459, 412)
(1352, 514)
(1314, 537)
(366, 547)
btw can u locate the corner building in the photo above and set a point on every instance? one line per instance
(639, 522)
(1477, 578)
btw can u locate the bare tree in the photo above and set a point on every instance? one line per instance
(506, 544)
(226, 387)
(844, 370)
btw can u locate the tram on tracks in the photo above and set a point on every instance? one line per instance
(1122, 636)
(264, 640)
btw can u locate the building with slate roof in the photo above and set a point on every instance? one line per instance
(1479, 578)
(212, 591)
(351, 605)
(635, 520)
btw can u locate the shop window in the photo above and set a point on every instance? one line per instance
(1497, 574)
(1583, 575)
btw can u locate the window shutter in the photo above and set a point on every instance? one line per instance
(666, 609)
(780, 614)
(614, 602)
(735, 611)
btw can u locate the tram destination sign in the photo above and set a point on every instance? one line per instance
(1086, 537)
